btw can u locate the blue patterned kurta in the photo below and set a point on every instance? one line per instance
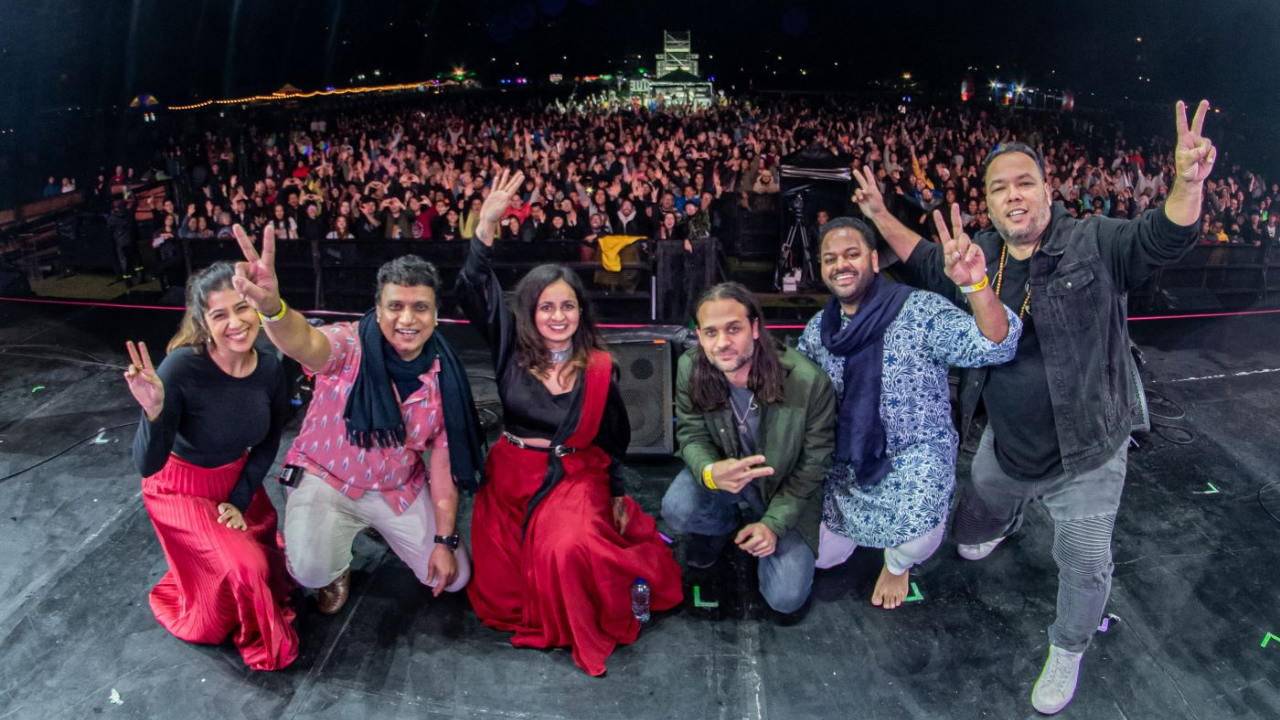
(928, 335)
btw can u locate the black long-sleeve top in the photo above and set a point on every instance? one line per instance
(528, 408)
(211, 418)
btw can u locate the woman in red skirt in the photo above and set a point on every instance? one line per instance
(211, 420)
(556, 542)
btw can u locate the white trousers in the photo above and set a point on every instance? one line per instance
(834, 549)
(320, 524)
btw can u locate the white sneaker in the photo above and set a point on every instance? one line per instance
(1057, 683)
(980, 551)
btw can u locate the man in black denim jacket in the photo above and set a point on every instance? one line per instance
(1059, 413)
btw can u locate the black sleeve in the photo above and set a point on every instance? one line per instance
(924, 270)
(264, 453)
(613, 437)
(1135, 249)
(485, 306)
(154, 440)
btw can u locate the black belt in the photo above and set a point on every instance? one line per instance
(557, 450)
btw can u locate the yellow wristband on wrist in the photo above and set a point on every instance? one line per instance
(981, 285)
(284, 308)
(706, 477)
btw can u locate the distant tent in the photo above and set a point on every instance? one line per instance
(287, 89)
(144, 101)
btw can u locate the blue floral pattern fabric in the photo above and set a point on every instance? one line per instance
(928, 335)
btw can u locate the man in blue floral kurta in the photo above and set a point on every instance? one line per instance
(887, 348)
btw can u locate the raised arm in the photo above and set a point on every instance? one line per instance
(1193, 158)
(255, 280)
(871, 202)
(966, 265)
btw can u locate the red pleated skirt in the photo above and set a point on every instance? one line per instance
(220, 581)
(569, 582)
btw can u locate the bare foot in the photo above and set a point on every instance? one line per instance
(891, 590)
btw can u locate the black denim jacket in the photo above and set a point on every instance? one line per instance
(1080, 280)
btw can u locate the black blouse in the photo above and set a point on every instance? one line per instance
(528, 408)
(211, 419)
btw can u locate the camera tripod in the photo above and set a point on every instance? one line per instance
(797, 231)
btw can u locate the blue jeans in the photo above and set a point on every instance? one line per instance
(786, 576)
(1083, 507)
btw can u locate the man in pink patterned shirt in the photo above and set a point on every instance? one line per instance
(388, 394)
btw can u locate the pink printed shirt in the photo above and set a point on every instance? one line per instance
(399, 473)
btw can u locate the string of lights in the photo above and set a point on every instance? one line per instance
(278, 95)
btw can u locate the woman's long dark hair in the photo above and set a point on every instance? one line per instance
(709, 389)
(193, 332)
(531, 349)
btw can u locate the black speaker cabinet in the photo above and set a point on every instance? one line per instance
(646, 361)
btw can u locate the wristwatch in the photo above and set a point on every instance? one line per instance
(449, 541)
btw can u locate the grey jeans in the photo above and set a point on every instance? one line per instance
(1083, 507)
(786, 576)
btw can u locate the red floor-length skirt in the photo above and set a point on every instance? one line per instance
(220, 581)
(569, 581)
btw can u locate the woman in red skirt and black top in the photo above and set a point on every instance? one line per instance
(556, 542)
(212, 416)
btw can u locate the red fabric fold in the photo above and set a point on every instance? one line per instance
(220, 581)
(569, 582)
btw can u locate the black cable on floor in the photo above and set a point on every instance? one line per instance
(67, 449)
(1161, 398)
(1160, 428)
(1266, 509)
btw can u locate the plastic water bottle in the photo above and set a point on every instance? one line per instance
(640, 600)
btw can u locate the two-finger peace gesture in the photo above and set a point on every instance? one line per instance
(964, 262)
(1194, 154)
(255, 278)
(144, 383)
(867, 196)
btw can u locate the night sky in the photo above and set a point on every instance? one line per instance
(103, 52)
(106, 51)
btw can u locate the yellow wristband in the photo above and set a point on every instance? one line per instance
(284, 308)
(706, 477)
(981, 285)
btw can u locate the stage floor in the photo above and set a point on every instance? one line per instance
(1195, 584)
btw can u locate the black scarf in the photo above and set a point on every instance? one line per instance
(860, 437)
(373, 416)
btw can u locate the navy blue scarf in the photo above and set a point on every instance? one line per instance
(860, 438)
(373, 416)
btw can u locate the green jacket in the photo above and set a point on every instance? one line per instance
(797, 438)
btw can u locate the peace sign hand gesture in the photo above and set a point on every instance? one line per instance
(1194, 154)
(255, 279)
(868, 196)
(144, 383)
(964, 262)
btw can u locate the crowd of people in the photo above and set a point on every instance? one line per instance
(393, 169)
(793, 456)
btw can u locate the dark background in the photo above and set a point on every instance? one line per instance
(63, 61)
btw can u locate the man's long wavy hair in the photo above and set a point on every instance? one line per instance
(709, 389)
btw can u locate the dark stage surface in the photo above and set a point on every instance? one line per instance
(1195, 583)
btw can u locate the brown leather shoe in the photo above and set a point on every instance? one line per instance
(333, 596)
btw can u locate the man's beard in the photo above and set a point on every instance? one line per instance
(1035, 229)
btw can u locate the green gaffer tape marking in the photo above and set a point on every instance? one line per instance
(1269, 638)
(38, 387)
(697, 599)
(915, 594)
